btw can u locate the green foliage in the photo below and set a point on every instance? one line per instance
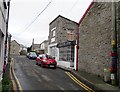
(5, 83)
(29, 49)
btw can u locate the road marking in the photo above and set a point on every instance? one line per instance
(79, 83)
(17, 82)
(11, 77)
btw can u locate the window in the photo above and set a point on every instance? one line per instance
(53, 29)
(53, 39)
(53, 33)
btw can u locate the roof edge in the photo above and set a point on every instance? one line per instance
(62, 17)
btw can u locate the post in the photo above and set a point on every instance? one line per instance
(9, 47)
(118, 39)
(113, 66)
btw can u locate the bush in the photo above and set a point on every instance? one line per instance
(5, 83)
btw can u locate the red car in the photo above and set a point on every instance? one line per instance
(46, 61)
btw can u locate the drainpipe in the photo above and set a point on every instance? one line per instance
(113, 66)
(77, 46)
(5, 53)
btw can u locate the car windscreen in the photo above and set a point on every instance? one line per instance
(49, 57)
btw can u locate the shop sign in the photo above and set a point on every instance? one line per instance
(67, 43)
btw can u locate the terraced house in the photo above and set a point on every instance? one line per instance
(3, 9)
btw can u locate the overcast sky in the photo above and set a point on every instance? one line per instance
(23, 12)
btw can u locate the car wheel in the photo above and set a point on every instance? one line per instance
(36, 63)
(39, 64)
(55, 67)
(42, 65)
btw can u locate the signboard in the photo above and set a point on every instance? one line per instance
(67, 43)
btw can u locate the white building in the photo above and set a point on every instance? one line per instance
(3, 9)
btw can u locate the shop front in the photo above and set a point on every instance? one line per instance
(67, 51)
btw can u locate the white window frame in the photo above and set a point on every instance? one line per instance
(53, 39)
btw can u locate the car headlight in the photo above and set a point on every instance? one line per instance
(44, 60)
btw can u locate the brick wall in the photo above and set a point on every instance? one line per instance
(95, 39)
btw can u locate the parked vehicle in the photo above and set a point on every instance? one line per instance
(27, 55)
(46, 61)
(23, 52)
(32, 55)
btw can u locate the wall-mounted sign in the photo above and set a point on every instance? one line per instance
(67, 43)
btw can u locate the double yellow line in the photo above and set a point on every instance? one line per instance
(79, 83)
(16, 85)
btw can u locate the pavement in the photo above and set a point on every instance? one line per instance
(95, 82)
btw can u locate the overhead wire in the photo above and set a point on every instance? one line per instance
(36, 17)
(74, 4)
(27, 26)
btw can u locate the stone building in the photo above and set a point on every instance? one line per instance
(44, 46)
(3, 9)
(62, 37)
(15, 48)
(95, 37)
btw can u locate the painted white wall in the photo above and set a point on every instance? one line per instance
(63, 64)
(75, 47)
(2, 38)
(1, 54)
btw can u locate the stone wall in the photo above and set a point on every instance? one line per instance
(118, 31)
(95, 39)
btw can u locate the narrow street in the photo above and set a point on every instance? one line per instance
(34, 77)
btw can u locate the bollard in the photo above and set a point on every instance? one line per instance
(106, 75)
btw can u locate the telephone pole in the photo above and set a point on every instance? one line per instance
(113, 66)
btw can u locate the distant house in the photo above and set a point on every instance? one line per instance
(23, 49)
(15, 47)
(44, 46)
(35, 47)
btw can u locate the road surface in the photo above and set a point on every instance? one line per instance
(34, 77)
